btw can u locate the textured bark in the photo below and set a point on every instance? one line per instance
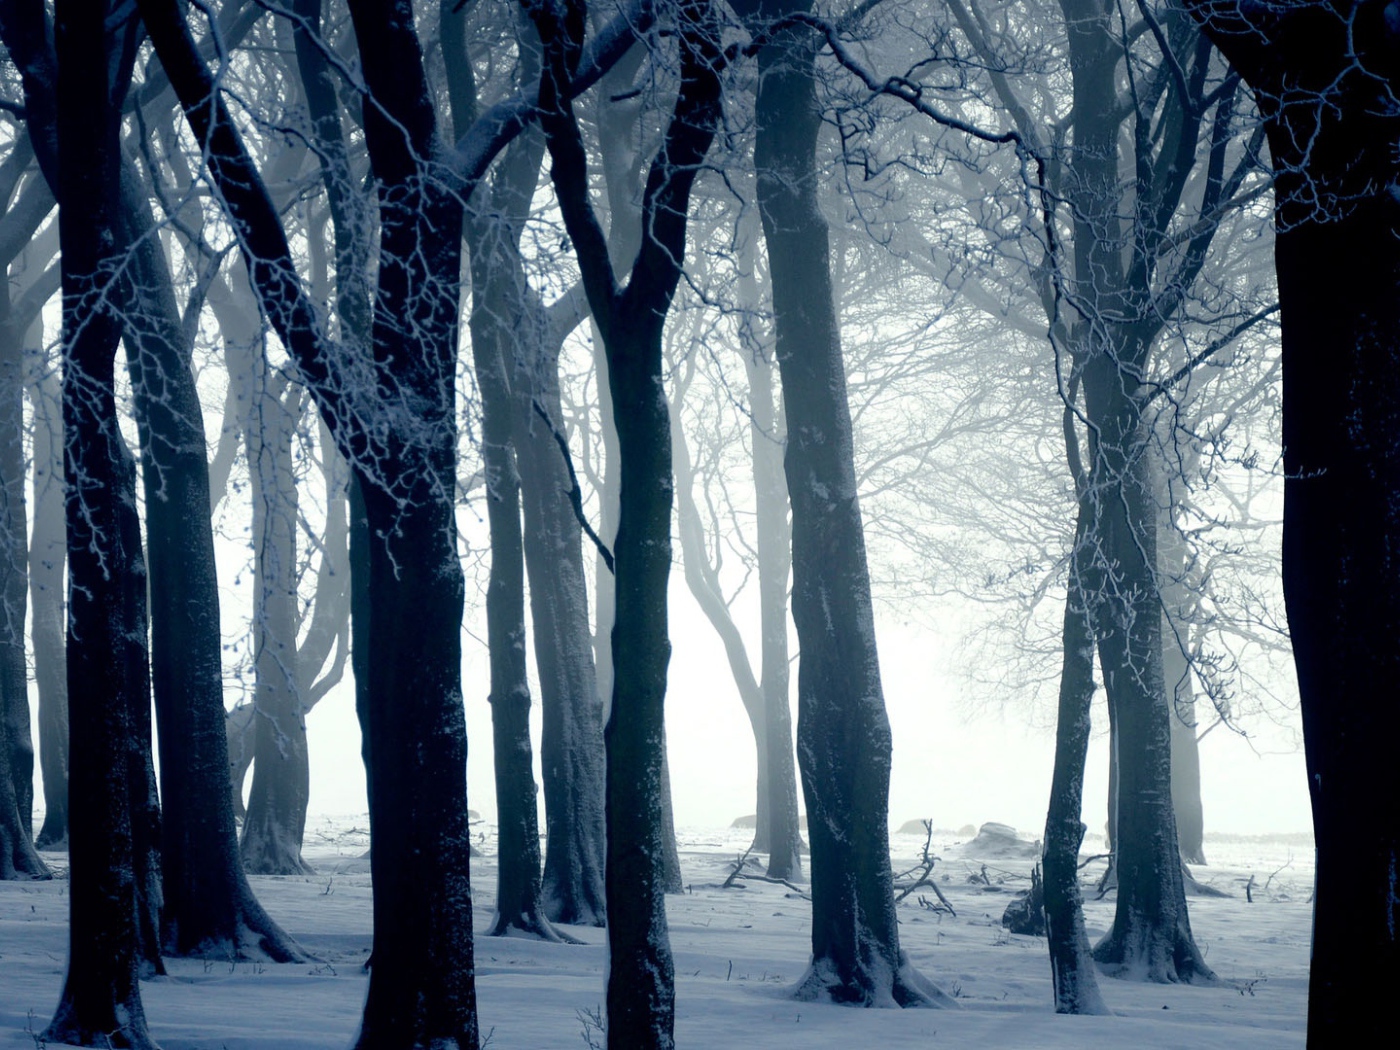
(843, 734)
(47, 556)
(1324, 75)
(276, 818)
(399, 434)
(641, 978)
(100, 1004)
(500, 319)
(422, 986)
(17, 858)
(571, 742)
(209, 907)
(1151, 934)
(1076, 986)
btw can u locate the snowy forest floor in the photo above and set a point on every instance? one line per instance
(738, 953)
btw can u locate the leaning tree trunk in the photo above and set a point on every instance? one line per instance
(843, 734)
(101, 1002)
(1076, 986)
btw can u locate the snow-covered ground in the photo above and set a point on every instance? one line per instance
(738, 951)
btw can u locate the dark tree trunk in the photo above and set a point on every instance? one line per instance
(641, 977)
(422, 986)
(571, 742)
(210, 909)
(47, 556)
(500, 323)
(1151, 935)
(101, 1003)
(276, 818)
(1324, 76)
(843, 734)
(400, 437)
(17, 796)
(1076, 985)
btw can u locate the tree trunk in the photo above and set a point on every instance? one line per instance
(1076, 985)
(1151, 935)
(47, 556)
(210, 910)
(17, 796)
(100, 1004)
(778, 774)
(276, 819)
(571, 743)
(399, 434)
(1324, 76)
(641, 977)
(843, 734)
(497, 321)
(422, 985)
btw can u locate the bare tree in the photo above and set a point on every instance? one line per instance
(640, 995)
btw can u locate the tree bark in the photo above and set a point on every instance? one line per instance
(641, 978)
(1324, 75)
(843, 734)
(47, 556)
(100, 1004)
(17, 858)
(399, 434)
(571, 742)
(1075, 983)
(275, 822)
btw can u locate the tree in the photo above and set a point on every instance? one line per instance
(630, 317)
(100, 1003)
(499, 305)
(398, 432)
(843, 736)
(1325, 77)
(765, 695)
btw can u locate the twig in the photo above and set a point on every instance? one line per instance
(575, 492)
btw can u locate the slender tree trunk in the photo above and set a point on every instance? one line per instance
(497, 315)
(843, 734)
(1076, 985)
(276, 819)
(15, 735)
(100, 1004)
(47, 557)
(571, 743)
(778, 775)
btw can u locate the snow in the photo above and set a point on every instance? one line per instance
(738, 954)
